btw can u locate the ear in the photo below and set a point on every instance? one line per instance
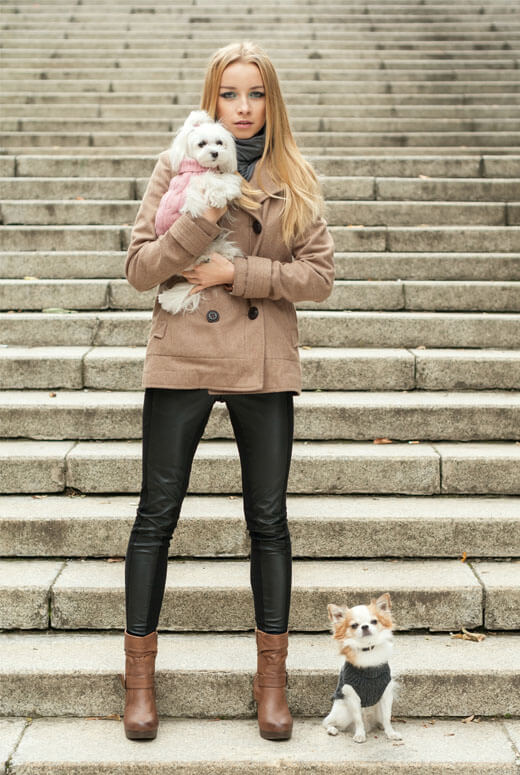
(178, 150)
(229, 163)
(383, 602)
(335, 613)
(195, 118)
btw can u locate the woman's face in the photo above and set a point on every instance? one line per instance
(241, 99)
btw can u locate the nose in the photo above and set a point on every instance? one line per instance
(365, 627)
(214, 154)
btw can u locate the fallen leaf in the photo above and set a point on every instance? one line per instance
(355, 226)
(468, 719)
(414, 442)
(449, 734)
(82, 198)
(421, 347)
(30, 277)
(425, 177)
(465, 635)
(52, 395)
(382, 441)
(464, 557)
(306, 347)
(115, 559)
(38, 497)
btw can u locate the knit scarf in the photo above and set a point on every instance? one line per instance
(248, 153)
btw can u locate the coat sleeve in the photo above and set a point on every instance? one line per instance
(151, 260)
(309, 277)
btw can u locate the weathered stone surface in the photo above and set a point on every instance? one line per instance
(25, 592)
(501, 581)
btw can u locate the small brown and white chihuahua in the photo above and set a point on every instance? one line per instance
(365, 689)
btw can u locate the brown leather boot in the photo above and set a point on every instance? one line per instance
(274, 718)
(141, 720)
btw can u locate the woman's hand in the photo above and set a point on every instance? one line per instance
(214, 213)
(217, 271)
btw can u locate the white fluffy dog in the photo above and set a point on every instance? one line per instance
(204, 163)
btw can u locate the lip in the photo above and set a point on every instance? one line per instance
(243, 123)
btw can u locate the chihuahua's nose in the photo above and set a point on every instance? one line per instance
(214, 154)
(365, 627)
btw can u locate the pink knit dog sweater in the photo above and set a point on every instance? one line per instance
(174, 198)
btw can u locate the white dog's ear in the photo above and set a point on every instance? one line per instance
(335, 613)
(179, 145)
(228, 160)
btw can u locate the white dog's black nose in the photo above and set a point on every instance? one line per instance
(214, 154)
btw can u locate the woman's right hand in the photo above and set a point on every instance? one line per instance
(214, 213)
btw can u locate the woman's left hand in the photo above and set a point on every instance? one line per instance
(217, 271)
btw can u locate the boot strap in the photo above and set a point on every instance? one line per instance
(272, 681)
(139, 682)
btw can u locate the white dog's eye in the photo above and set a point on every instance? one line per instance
(202, 144)
(354, 626)
(219, 142)
(373, 621)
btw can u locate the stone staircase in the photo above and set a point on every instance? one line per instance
(410, 113)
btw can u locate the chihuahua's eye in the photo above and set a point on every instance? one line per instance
(219, 142)
(202, 144)
(373, 621)
(354, 626)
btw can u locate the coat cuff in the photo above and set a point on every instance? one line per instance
(193, 234)
(252, 277)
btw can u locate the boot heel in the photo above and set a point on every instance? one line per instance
(140, 716)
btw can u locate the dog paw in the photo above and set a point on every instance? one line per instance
(360, 737)
(391, 735)
(332, 730)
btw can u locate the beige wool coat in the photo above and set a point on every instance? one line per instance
(243, 340)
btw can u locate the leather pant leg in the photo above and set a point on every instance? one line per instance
(263, 426)
(173, 423)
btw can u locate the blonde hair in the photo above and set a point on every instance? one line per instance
(303, 197)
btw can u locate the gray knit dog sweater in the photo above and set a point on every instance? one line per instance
(368, 682)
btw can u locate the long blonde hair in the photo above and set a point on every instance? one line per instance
(303, 197)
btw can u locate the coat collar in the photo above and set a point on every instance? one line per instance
(270, 185)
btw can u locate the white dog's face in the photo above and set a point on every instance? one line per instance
(212, 146)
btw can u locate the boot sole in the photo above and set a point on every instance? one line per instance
(144, 734)
(275, 735)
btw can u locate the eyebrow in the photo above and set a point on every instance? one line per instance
(258, 86)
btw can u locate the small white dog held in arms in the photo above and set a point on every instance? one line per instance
(365, 689)
(204, 163)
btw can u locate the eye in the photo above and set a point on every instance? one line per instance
(219, 142)
(202, 144)
(354, 626)
(373, 621)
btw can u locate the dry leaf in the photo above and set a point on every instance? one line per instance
(382, 441)
(355, 226)
(82, 198)
(306, 347)
(414, 442)
(425, 177)
(464, 557)
(115, 559)
(465, 635)
(38, 497)
(421, 347)
(30, 277)
(468, 719)
(52, 395)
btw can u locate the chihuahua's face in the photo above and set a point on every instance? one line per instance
(212, 146)
(362, 628)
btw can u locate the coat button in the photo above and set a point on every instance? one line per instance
(257, 227)
(212, 316)
(252, 313)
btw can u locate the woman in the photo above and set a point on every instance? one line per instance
(240, 347)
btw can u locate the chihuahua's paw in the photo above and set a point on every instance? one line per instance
(391, 735)
(360, 737)
(332, 730)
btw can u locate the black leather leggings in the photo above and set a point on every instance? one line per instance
(173, 423)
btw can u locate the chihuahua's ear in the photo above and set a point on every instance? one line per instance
(383, 602)
(335, 613)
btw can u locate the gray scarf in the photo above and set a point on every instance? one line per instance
(248, 153)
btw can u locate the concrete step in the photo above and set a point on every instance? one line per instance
(484, 296)
(15, 190)
(431, 747)
(330, 140)
(333, 526)
(208, 675)
(356, 236)
(362, 265)
(215, 595)
(327, 467)
(338, 213)
(323, 368)
(331, 415)
(316, 329)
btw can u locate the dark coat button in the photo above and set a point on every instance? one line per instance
(252, 313)
(212, 316)
(257, 227)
